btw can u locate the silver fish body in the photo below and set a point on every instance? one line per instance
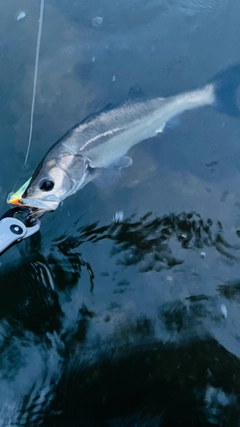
(102, 141)
(110, 135)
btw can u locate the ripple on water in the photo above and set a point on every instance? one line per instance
(205, 7)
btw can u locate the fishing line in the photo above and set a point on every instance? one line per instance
(35, 79)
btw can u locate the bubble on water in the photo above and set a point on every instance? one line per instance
(96, 21)
(113, 78)
(21, 15)
(203, 254)
(224, 310)
(118, 217)
(183, 236)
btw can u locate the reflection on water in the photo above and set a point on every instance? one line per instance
(78, 351)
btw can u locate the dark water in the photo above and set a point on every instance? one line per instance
(136, 323)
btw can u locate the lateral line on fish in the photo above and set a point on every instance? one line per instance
(35, 78)
(95, 138)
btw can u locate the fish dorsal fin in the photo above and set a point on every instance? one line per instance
(136, 93)
(91, 117)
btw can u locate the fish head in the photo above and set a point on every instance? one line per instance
(52, 182)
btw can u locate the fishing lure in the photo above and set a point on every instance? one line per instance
(15, 197)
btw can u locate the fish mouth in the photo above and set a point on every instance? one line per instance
(15, 199)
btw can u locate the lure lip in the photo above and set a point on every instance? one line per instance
(14, 201)
(16, 198)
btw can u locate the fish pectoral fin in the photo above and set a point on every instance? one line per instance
(109, 177)
(106, 178)
(122, 162)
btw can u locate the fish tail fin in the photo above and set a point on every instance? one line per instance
(225, 84)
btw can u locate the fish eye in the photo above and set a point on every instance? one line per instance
(46, 184)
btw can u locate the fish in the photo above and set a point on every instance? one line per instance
(97, 148)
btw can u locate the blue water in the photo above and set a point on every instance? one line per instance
(134, 323)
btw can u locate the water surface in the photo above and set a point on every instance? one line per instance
(132, 323)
